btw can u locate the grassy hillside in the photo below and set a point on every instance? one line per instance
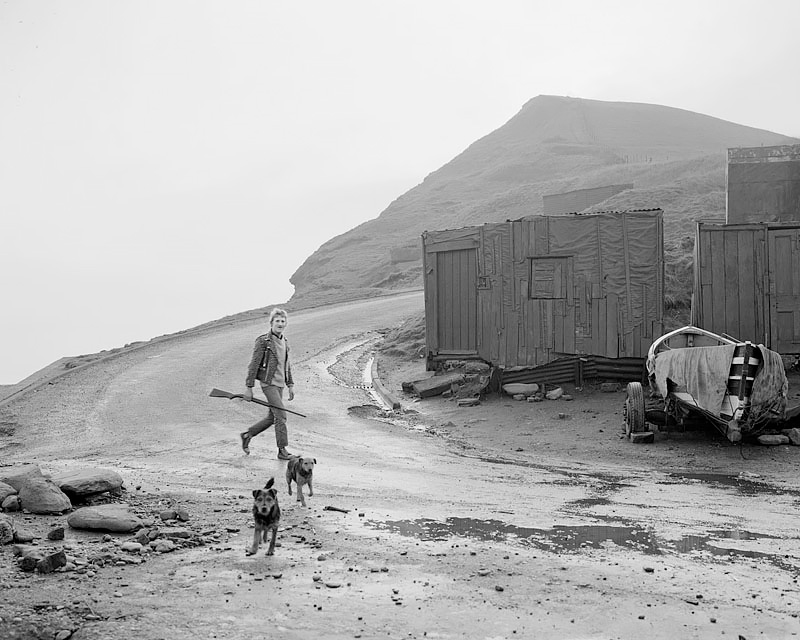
(675, 158)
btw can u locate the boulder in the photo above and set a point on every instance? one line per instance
(105, 517)
(5, 491)
(41, 495)
(773, 439)
(555, 394)
(87, 482)
(17, 476)
(514, 388)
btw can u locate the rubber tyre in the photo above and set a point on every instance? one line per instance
(633, 411)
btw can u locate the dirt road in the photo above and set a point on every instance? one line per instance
(500, 521)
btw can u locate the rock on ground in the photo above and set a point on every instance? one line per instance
(87, 481)
(6, 530)
(105, 517)
(19, 475)
(5, 491)
(793, 435)
(41, 495)
(773, 439)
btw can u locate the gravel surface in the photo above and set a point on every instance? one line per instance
(509, 519)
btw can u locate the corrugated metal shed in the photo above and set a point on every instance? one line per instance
(526, 292)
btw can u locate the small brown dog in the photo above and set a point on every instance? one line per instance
(267, 514)
(301, 471)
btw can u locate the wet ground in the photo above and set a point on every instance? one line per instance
(497, 521)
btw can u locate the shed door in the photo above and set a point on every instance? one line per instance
(456, 300)
(784, 271)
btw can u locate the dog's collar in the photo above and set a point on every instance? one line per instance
(303, 472)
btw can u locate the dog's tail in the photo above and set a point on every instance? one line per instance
(269, 484)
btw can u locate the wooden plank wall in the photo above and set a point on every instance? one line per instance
(783, 247)
(731, 281)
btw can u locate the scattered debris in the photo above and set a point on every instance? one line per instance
(436, 385)
(339, 509)
(468, 402)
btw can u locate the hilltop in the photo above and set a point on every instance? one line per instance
(675, 158)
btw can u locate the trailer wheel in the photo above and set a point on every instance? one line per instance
(633, 410)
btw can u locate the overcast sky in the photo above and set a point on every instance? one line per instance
(168, 162)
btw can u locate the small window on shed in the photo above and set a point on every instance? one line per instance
(549, 278)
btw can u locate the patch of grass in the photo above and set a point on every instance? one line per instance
(407, 340)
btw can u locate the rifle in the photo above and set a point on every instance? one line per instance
(218, 393)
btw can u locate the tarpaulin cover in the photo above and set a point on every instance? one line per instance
(770, 386)
(621, 253)
(702, 371)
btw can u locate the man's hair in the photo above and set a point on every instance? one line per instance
(277, 312)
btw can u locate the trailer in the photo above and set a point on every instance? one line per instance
(738, 387)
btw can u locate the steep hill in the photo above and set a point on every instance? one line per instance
(675, 158)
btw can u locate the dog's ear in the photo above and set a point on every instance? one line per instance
(255, 492)
(270, 482)
(315, 460)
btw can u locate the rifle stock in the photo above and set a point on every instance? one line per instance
(219, 393)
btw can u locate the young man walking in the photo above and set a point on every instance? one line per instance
(270, 366)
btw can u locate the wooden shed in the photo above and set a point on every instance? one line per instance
(523, 293)
(747, 282)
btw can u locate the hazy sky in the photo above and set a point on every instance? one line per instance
(168, 162)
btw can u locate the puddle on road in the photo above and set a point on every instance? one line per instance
(559, 538)
(574, 538)
(745, 486)
(687, 544)
(711, 544)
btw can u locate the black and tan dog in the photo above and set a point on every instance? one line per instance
(301, 471)
(267, 515)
